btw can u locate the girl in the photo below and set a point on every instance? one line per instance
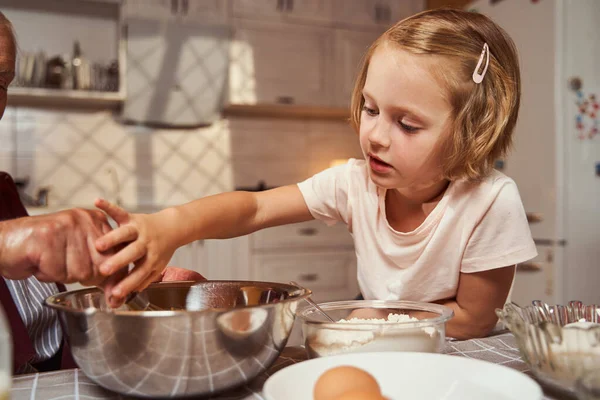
(434, 105)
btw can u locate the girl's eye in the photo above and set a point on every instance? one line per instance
(408, 128)
(370, 112)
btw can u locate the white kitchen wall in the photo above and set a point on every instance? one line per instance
(76, 153)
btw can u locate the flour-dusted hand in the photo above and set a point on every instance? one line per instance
(141, 239)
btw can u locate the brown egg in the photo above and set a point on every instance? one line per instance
(361, 395)
(345, 379)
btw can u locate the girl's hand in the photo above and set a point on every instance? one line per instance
(142, 239)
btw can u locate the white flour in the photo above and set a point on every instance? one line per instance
(578, 351)
(389, 337)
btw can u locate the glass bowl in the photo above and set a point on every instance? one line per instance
(588, 386)
(560, 343)
(412, 326)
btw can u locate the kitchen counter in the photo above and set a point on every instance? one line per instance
(73, 384)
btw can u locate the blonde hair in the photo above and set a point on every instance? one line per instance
(483, 115)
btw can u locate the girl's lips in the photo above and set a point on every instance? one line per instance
(379, 166)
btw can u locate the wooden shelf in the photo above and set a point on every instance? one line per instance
(286, 111)
(40, 97)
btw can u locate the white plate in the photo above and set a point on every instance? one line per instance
(411, 376)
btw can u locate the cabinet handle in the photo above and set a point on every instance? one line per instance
(530, 266)
(377, 13)
(285, 100)
(534, 217)
(185, 6)
(308, 231)
(308, 277)
(290, 5)
(279, 5)
(388, 13)
(174, 6)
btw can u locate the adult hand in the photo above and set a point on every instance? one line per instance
(57, 247)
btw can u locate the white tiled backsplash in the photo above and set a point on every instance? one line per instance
(73, 153)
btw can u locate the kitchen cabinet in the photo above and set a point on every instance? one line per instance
(314, 255)
(301, 11)
(225, 259)
(192, 256)
(350, 47)
(205, 11)
(47, 29)
(536, 279)
(373, 14)
(280, 64)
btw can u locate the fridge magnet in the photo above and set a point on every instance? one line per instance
(587, 118)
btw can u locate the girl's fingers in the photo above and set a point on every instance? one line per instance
(115, 212)
(133, 281)
(108, 286)
(131, 253)
(122, 234)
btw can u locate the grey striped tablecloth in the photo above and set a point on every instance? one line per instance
(73, 384)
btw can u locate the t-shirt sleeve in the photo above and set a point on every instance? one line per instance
(326, 193)
(502, 237)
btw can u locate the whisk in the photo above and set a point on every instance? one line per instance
(137, 301)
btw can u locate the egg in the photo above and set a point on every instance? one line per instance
(360, 395)
(345, 379)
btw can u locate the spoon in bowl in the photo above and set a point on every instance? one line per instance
(315, 305)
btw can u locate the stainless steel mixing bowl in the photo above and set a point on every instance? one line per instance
(212, 336)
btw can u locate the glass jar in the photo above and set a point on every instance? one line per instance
(5, 357)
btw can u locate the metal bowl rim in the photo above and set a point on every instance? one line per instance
(51, 301)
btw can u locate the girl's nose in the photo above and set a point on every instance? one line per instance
(380, 134)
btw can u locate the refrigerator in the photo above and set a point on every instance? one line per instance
(556, 157)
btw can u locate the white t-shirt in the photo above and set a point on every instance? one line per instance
(475, 227)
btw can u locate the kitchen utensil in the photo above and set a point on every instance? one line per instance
(210, 336)
(411, 376)
(426, 333)
(315, 305)
(136, 301)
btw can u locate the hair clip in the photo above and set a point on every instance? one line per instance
(477, 77)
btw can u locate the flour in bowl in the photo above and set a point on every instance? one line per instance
(385, 335)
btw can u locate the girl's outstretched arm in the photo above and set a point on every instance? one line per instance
(149, 240)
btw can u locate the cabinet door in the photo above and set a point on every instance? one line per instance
(191, 256)
(376, 14)
(535, 280)
(259, 9)
(280, 64)
(350, 47)
(309, 10)
(330, 275)
(151, 9)
(214, 12)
